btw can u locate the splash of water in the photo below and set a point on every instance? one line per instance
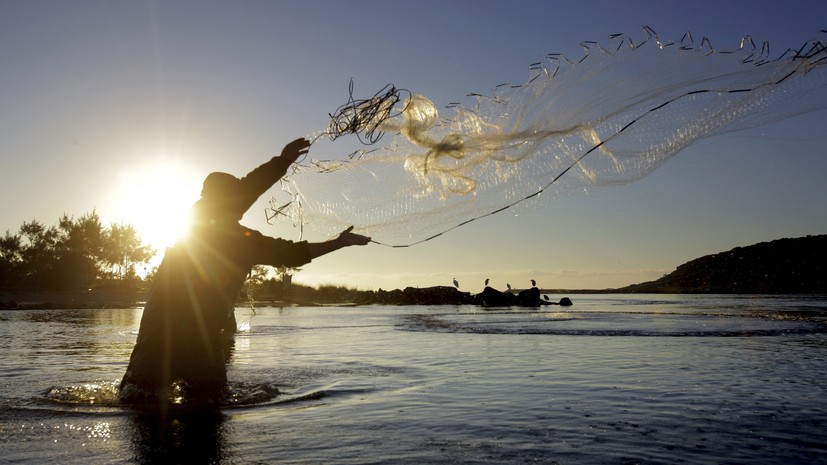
(107, 394)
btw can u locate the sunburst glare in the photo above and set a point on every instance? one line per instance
(155, 198)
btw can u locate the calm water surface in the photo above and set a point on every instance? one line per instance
(613, 379)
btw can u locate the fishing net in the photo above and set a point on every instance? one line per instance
(608, 118)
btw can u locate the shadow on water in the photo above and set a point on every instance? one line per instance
(195, 436)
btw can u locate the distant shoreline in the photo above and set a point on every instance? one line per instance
(48, 300)
(782, 267)
(110, 300)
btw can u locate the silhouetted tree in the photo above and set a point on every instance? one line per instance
(10, 259)
(123, 251)
(79, 251)
(38, 254)
(75, 254)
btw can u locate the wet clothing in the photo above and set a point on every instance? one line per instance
(188, 319)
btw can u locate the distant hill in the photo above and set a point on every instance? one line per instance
(784, 266)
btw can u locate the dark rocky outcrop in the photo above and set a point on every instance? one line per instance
(491, 297)
(437, 295)
(444, 295)
(784, 266)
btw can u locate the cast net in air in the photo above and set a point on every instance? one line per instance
(609, 118)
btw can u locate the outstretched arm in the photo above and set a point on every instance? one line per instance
(345, 239)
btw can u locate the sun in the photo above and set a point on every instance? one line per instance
(156, 199)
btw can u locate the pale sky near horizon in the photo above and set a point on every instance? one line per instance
(105, 105)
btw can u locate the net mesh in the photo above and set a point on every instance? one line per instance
(609, 118)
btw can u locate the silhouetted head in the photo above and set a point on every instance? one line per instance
(221, 197)
(220, 185)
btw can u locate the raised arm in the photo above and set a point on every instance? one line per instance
(258, 181)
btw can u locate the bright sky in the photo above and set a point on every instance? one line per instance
(124, 107)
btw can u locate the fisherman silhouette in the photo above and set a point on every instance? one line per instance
(188, 320)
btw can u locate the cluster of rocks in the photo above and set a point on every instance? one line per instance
(445, 295)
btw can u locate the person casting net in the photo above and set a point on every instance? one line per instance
(187, 326)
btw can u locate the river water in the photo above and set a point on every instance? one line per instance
(614, 379)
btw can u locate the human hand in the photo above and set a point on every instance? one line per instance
(295, 149)
(347, 238)
(344, 239)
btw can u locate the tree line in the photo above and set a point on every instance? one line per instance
(74, 254)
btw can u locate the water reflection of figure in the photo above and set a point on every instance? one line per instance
(183, 437)
(188, 321)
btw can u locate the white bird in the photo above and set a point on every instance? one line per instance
(456, 283)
